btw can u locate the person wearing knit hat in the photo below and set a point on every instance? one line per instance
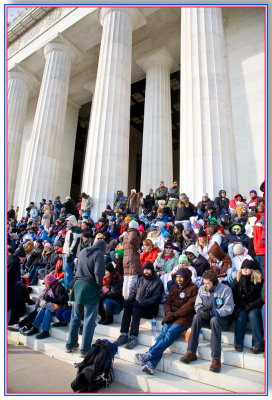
(183, 259)
(113, 228)
(133, 202)
(254, 198)
(183, 262)
(236, 235)
(133, 224)
(247, 293)
(179, 312)
(142, 302)
(52, 297)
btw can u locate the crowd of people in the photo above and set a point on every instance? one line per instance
(205, 263)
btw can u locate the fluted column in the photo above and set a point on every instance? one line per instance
(48, 127)
(207, 148)
(157, 154)
(107, 152)
(18, 92)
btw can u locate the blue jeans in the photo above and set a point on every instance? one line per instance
(170, 333)
(68, 271)
(33, 275)
(43, 317)
(112, 306)
(90, 312)
(63, 315)
(255, 319)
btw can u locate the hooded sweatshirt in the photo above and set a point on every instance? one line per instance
(72, 238)
(234, 202)
(224, 261)
(199, 263)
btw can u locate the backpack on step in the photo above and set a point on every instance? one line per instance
(95, 371)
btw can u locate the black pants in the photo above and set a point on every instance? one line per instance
(216, 324)
(28, 320)
(135, 312)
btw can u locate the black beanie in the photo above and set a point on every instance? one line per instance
(148, 265)
(250, 264)
(202, 233)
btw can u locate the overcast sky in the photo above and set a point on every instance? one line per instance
(13, 11)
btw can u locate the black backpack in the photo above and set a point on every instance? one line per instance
(95, 371)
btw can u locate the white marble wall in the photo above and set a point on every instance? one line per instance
(244, 33)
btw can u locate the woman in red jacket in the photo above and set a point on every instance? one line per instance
(150, 252)
(59, 273)
(259, 235)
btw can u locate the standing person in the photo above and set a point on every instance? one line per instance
(131, 261)
(214, 307)
(149, 200)
(259, 236)
(173, 196)
(221, 202)
(161, 192)
(57, 208)
(247, 294)
(46, 217)
(179, 312)
(86, 204)
(133, 202)
(119, 203)
(71, 206)
(70, 249)
(86, 296)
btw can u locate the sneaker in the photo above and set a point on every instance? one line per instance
(143, 358)
(42, 335)
(238, 348)
(254, 350)
(123, 338)
(32, 331)
(14, 328)
(188, 357)
(58, 324)
(23, 330)
(132, 342)
(215, 365)
(148, 368)
(73, 348)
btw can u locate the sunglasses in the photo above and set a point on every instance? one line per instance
(167, 247)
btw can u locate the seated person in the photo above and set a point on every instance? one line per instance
(161, 216)
(219, 262)
(209, 213)
(247, 293)
(166, 210)
(214, 307)
(204, 205)
(111, 299)
(177, 237)
(101, 226)
(51, 265)
(156, 236)
(144, 218)
(236, 235)
(59, 273)
(221, 202)
(142, 302)
(63, 314)
(240, 254)
(213, 234)
(150, 252)
(35, 256)
(238, 199)
(125, 224)
(45, 259)
(183, 262)
(166, 260)
(85, 240)
(189, 237)
(52, 297)
(179, 312)
(202, 243)
(196, 260)
(254, 198)
(113, 228)
(240, 215)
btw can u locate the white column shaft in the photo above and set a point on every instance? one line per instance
(18, 92)
(207, 149)
(107, 152)
(157, 158)
(48, 126)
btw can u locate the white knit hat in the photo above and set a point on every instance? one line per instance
(238, 249)
(133, 224)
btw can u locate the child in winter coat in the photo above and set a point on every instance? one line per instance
(219, 261)
(150, 252)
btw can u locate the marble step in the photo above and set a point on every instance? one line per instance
(196, 374)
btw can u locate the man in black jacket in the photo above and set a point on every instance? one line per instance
(143, 301)
(173, 196)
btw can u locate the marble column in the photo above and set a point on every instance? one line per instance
(107, 152)
(157, 157)
(18, 92)
(48, 127)
(207, 147)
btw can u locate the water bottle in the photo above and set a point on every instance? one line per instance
(154, 325)
(187, 335)
(201, 336)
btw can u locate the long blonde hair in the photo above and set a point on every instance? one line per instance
(98, 236)
(239, 210)
(256, 276)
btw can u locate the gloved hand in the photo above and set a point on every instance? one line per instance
(59, 269)
(214, 313)
(69, 258)
(47, 298)
(204, 313)
(169, 317)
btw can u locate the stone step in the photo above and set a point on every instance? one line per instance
(124, 371)
(198, 377)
